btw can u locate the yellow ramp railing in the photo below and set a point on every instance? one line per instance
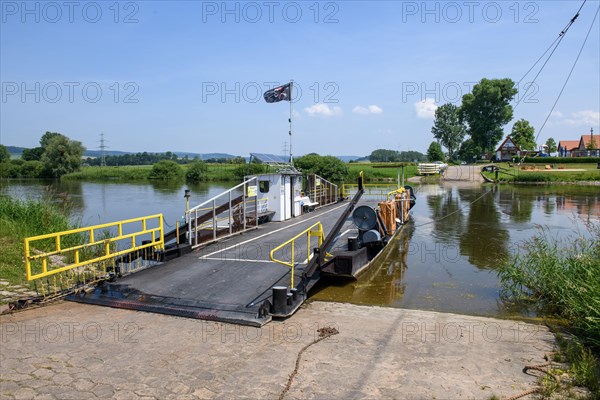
(315, 230)
(53, 253)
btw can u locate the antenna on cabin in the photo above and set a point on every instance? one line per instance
(284, 148)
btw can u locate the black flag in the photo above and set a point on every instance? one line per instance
(278, 94)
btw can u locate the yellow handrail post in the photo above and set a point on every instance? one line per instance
(309, 233)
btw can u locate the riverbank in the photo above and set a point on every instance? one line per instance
(547, 173)
(221, 172)
(20, 219)
(80, 351)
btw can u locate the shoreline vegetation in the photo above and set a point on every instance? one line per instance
(24, 218)
(547, 173)
(223, 172)
(561, 278)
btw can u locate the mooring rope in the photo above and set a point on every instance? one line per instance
(540, 368)
(324, 333)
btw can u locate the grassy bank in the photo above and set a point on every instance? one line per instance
(538, 173)
(228, 172)
(20, 219)
(372, 173)
(562, 278)
(215, 172)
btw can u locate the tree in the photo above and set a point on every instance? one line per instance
(61, 155)
(469, 151)
(329, 167)
(34, 154)
(522, 134)
(47, 137)
(487, 109)
(166, 170)
(383, 155)
(434, 152)
(4, 154)
(551, 143)
(196, 171)
(448, 128)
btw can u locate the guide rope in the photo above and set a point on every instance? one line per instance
(324, 333)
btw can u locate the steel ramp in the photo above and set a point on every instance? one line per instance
(232, 291)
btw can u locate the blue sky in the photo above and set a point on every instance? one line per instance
(189, 75)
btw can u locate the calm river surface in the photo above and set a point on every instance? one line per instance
(444, 260)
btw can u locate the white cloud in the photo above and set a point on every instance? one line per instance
(584, 118)
(426, 109)
(372, 109)
(323, 109)
(556, 114)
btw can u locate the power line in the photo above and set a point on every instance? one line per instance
(559, 39)
(570, 73)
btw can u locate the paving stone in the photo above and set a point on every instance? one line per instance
(62, 379)
(177, 388)
(125, 395)
(103, 391)
(24, 394)
(43, 373)
(83, 385)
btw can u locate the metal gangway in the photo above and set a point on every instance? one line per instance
(320, 190)
(232, 212)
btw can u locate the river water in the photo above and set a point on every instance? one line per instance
(444, 260)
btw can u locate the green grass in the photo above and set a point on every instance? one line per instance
(229, 172)
(216, 172)
(562, 278)
(23, 218)
(560, 173)
(373, 174)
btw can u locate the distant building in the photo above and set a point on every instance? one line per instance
(507, 150)
(586, 146)
(566, 147)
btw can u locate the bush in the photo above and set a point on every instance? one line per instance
(9, 170)
(32, 169)
(196, 171)
(329, 167)
(166, 170)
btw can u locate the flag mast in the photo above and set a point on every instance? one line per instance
(290, 121)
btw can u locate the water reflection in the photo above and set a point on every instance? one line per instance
(484, 241)
(446, 260)
(380, 285)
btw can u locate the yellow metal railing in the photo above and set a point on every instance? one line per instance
(97, 250)
(370, 189)
(315, 230)
(400, 190)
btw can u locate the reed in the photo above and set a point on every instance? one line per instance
(560, 277)
(23, 218)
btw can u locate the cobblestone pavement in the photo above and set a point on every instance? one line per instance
(75, 351)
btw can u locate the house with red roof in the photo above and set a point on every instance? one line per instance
(586, 146)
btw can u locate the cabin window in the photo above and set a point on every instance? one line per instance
(263, 186)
